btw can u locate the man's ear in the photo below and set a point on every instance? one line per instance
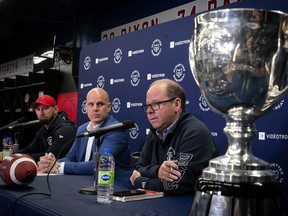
(56, 108)
(177, 104)
(109, 106)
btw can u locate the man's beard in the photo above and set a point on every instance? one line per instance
(47, 121)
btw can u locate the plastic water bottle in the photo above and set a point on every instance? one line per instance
(10, 146)
(5, 147)
(105, 177)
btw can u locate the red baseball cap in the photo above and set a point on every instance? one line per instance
(45, 100)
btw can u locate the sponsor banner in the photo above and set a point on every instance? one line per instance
(165, 16)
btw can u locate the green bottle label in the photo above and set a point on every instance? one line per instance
(106, 177)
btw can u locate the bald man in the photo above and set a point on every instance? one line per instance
(79, 159)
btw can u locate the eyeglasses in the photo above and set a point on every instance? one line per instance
(155, 105)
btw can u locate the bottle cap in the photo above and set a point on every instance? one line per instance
(107, 150)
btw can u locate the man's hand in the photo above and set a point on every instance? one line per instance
(134, 176)
(168, 171)
(46, 163)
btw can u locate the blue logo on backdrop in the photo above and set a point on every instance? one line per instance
(100, 82)
(135, 78)
(134, 132)
(178, 72)
(87, 63)
(116, 105)
(117, 55)
(83, 107)
(156, 47)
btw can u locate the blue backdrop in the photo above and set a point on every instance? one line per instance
(127, 65)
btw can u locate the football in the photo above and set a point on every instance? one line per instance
(18, 169)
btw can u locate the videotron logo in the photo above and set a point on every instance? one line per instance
(135, 78)
(84, 85)
(261, 135)
(134, 132)
(113, 81)
(155, 76)
(87, 63)
(156, 47)
(129, 104)
(173, 44)
(273, 136)
(118, 56)
(99, 60)
(135, 52)
(101, 82)
(179, 72)
(116, 105)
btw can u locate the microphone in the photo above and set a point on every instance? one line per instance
(22, 119)
(29, 124)
(99, 132)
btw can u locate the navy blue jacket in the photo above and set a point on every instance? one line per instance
(189, 142)
(116, 141)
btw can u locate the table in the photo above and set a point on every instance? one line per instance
(66, 200)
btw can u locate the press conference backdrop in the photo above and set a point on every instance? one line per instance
(127, 65)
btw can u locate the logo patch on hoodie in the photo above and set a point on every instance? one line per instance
(49, 140)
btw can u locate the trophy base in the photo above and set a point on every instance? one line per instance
(228, 199)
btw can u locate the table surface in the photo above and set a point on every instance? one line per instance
(66, 200)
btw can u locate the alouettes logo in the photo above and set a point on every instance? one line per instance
(179, 72)
(100, 82)
(156, 47)
(116, 105)
(87, 63)
(134, 132)
(135, 78)
(118, 56)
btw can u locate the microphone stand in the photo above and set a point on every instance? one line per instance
(92, 190)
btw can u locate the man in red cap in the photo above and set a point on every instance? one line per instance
(54, 133)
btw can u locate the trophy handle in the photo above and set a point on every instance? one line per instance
(285, 33)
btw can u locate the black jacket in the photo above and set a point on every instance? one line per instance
(52, 140)
(189, 142)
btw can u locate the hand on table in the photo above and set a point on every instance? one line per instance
(168, 171)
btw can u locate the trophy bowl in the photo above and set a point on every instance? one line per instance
(238, 58)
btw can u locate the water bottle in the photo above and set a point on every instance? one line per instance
(105, 177)
(9, 146)
(5, 147)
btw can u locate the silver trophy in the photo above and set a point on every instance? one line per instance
(238, 58)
